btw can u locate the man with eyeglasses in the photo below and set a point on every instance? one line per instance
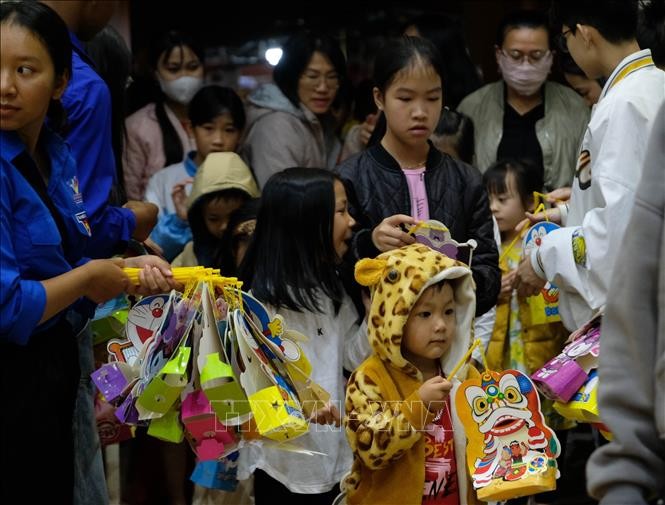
(524, 116)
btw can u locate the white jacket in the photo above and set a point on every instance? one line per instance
(336, 341)
(608, 171)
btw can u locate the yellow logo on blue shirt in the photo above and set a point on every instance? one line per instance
(74, 184)
(81, 216)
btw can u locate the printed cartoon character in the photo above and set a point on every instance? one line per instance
(505, 427)
(535, 235)
(436, 235)
(145, 318)
(550, 293)
(583, 170)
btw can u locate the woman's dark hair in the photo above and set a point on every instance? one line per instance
(527, 178)
(207, 247)
(161, 50)
(396, 56)
(521, 19)
(212, 101)
(291, 260)
(45, 24)
(459, 128)
(460, 76)
(113, 62)
(227, 260)
(297, 52)
(615, 20)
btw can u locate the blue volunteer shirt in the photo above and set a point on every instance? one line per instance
(88, 104)
(31, 244)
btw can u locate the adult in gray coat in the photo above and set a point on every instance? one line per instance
(524, 116)
(289, 123)
(631, 467)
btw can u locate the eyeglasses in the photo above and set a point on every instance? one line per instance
(518, 56)
(312, 80)
(562, 41)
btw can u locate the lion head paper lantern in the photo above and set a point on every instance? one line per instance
(511, 452)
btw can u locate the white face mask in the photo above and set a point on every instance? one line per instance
(525, 77)
(182, 89)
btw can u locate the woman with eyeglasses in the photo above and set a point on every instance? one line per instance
(525, 116)
(289, 123)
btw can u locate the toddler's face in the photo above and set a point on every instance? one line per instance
(217, 212)
(430, 329)
(507, 207)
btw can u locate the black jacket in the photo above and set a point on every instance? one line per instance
(376, 188)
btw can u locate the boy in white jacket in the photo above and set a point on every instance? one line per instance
(579, 258)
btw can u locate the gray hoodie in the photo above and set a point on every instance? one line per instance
(631, 468)
(280, 135)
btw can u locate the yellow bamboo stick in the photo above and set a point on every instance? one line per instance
(466, 356)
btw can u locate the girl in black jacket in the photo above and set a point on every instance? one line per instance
(404, 179)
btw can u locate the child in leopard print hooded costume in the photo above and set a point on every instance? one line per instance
(386, 419)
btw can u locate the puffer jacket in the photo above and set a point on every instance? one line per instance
(280, 135)
(376, 188)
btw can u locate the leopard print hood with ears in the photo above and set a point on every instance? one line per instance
(396, 280)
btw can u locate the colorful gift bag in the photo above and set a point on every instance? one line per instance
(217, 474)
(164, 368)
(281, 346)
(109, 320)
(164, 389)
(167, 428)
(583, 406)
(436, 235)
(209, 438)
(217, 378)
(510, 452)
(113, 380)
(544, 306)
(274, 404)
(562, 376)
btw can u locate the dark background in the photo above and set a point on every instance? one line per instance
(239, 25)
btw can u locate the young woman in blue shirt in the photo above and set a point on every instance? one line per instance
(43, 275)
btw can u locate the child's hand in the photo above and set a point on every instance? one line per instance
(326, 415)
(367, 128)
(179, 197)
(389, 234)
(526, 281)
(434, 392)
(155, 276)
